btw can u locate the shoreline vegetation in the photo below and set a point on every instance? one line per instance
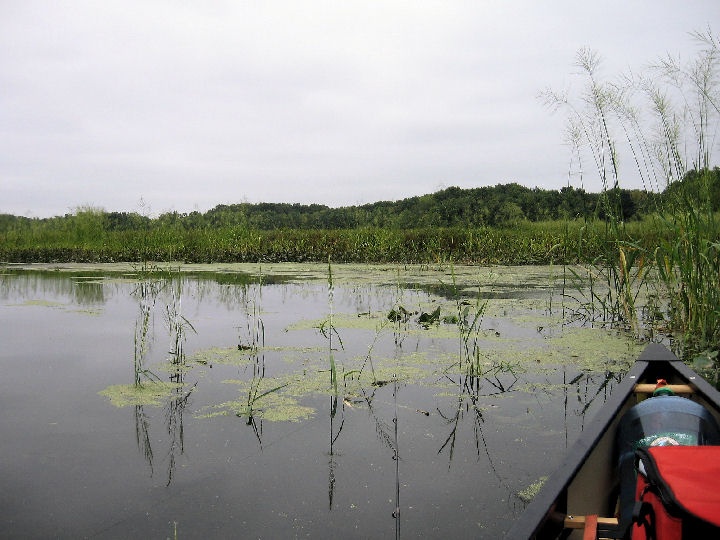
(502, 225)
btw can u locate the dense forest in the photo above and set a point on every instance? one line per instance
(494, 206)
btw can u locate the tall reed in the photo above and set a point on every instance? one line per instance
(148, 287)
(689, 270)
(680, 271)
(327, 329)
(468, 323)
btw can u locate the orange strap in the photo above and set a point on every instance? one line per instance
(590, 527)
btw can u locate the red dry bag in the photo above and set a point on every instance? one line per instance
(677, 493)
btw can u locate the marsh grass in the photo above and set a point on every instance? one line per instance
(148, 388)
(675, 266)
(688, 270)
(608, 290)
(177, 326)
(254, 341)
(523, 243)
(468, 323)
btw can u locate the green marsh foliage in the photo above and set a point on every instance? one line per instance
(524, 243)
(659, 279)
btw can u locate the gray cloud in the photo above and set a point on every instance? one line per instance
(193, 105)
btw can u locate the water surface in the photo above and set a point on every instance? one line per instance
(432, 423)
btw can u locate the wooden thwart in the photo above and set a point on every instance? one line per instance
(649, 388)
(578, 522)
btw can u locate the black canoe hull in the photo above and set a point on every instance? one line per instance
(584, 482)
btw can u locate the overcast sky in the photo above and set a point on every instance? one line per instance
(184, 105)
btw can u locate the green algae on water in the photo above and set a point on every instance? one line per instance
(43, 303)
(237, 356)
(274, 407)
(149, 393)
(529, 493)
(593, 349)
(224, 355)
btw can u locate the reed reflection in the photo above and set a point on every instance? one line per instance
(151, 284)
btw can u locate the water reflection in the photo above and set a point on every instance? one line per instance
(178, 327)
(89, 292)
(591, 388)
(147, 292)
(332, 456)
(142, 435)
(502, 379)
(97, 287)
(396, 458)
(81, 289)
(387, 435)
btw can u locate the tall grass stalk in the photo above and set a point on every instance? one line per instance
(254, 324)
(689, 271)
(177, 325)
(681, 272)
(327, 329)
(468, 323)
(149, 286)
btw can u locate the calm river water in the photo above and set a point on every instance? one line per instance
(287, 401)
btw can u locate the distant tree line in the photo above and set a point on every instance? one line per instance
(494, 206)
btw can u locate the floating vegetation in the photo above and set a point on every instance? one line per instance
(262, 400)
(427, 319)
(44, 303)
(223, 355)
(149, 393)
(529, 493)
(592, 349)
(89, 312)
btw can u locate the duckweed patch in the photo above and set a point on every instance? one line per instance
(90, 312)
(273, 408)
(261, 399)
(149, 393)
(43, 303)
(592, 349)
(529, 493)
(223, 355)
